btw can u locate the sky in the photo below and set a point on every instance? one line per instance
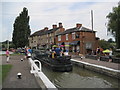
(46, 13)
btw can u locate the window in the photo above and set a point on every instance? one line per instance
(88, 45)
(59, 38)
(73, 35)
(50, 34)
(66, 36)
(77, 35)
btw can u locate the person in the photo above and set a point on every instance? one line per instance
(7, 55)
(25, 53)
(30, 50)
(58, 51)
(98, 50)
(66, 52)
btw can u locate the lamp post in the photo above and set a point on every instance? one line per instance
(8, 44)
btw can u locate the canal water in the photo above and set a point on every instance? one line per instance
(80, 78)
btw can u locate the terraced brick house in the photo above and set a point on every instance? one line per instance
(78, 39)
(45, 37)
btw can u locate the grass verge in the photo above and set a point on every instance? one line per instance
(4, 69)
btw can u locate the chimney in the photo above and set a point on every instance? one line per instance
(60, 25)
(78, 25)
(46, 28)
(54, 26)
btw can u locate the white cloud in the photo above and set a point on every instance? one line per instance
(44, 14)
(59, 0)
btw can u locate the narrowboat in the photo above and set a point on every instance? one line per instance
(59, 63)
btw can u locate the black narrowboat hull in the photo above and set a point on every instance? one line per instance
(57, 67)
(59, 63)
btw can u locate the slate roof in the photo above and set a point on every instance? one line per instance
(75, 29)
(43, 32)
(52, 30)
(37, 33)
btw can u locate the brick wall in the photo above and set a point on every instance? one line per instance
(84, 38)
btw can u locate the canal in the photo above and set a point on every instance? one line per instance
(80, 78)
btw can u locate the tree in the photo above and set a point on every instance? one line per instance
(110, 40)
(114, 24)
(104, 44)
(21, 30)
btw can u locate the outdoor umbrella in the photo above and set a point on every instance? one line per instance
(106, 51)
(67, 45)
(61, 45)
(54, 46)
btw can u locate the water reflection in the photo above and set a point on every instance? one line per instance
(80, 78)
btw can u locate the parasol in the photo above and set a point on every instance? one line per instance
(67, 45)
(54, 46)
(106, 51)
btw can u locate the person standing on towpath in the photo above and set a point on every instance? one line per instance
(7, 55)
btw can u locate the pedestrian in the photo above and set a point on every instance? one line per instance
(58, 51)
(25, 53)
(98, 50)
(7, 55)
(29, 52)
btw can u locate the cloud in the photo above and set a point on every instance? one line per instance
(44, 14)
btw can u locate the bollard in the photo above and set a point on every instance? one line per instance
(21, 59)
(19, 75)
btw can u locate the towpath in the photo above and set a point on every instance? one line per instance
(111, 65)
(28, 80)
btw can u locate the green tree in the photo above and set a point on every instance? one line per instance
(114, 24)
(110, 40)
(104, 44)
(21, 30)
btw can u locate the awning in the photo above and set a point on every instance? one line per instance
(62, 43)
(75, 43)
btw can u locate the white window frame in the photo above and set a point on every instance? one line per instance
(73, 35)
(66, 36)
(59, 38)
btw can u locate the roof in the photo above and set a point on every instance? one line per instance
(52, 30)
(43, 32)
(82, 29)
(37, 33)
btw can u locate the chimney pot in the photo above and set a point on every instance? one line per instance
(78, 25)
(60, 25)
(46, 28)
(54, 26)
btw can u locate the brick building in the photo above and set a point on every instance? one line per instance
(45, 37)
(78, 39)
